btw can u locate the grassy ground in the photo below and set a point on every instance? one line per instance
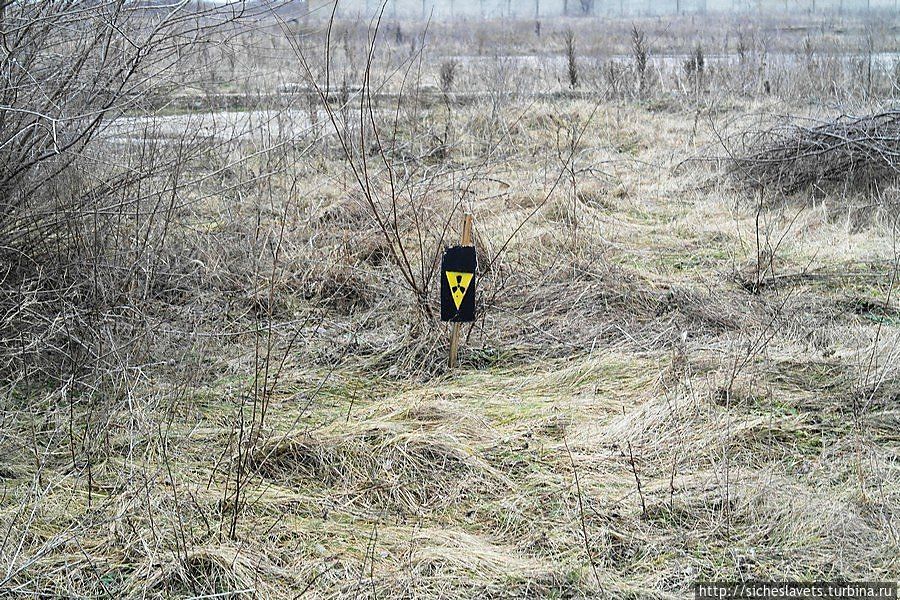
(670, 380)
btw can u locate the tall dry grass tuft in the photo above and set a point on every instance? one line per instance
(571, 58)
(640, 51)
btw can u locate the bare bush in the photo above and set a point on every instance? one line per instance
(448, 75)
(90, 188)
(77, 223)
(695, 63)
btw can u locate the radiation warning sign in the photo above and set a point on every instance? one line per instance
(458, 284)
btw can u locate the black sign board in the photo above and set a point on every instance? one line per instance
(458, 284)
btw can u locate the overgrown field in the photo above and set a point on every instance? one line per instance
(227, 379)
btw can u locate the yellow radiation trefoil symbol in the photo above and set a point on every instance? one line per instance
(459, 285)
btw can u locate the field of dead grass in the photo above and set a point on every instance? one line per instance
(630, 414)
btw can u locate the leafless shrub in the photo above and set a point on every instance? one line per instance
(91, 186)
(695, 64)
(448, 75)
(78, 222)
(386, 169)
(860, 152)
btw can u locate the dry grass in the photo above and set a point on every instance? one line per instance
(719, 375)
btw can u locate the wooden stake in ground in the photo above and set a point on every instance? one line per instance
(458, 286)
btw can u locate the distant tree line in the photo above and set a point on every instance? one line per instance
(442, 9)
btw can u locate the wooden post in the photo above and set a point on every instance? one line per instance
(465, 240)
